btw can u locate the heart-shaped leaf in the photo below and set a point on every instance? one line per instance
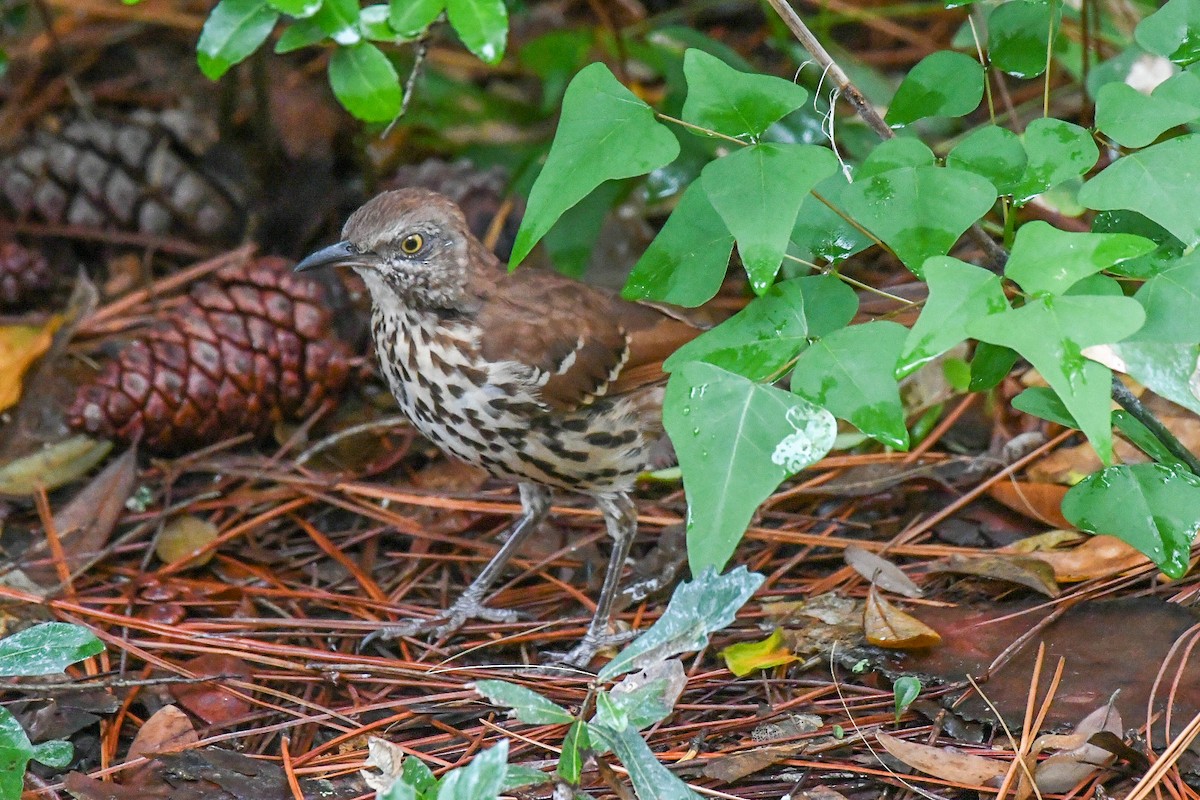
(735, 103)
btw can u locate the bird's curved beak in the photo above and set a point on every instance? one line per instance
(336, 255)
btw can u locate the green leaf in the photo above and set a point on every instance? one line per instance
(15, 753)
(1043, 403)
(570, 762)
(234, 29)
(1133, 119)
(524, 704)
(943, 84)
(416, 774)
(365, 82)
(47, 649)
(650, 779)
(1046, 259)
(994, 153)
(736, 441)
(745, 657)
(1152, 507)
(300, 9)
(482, 25)
(757, 191)
(1169, 369)
(906, 690)
(1058, 151)
(56, 754)
(410, 18)
(958, 293)
(1141, 437)
(919, 211)
(697, 609)
(517, 776)
(1171, 300)
(761, 340)
(374, 25)
(897, 153)
(1172, 31)
(688, 259)
(1019, 35)
(399, 790)
(647, 697)
(1051, 333)
(1161, 182)
(479, 780)
(339, 20)
(990, 366)
(298, 35)
(822, 233)
(851, 372)
(605, 133)
(732, 102)
(1165, 256)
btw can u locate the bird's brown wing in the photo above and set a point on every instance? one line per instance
(588, 341)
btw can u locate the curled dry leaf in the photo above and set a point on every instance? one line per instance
(880, 572)
(1097, 557)
(1022, 570)
(53, 466)
(186, 538)
(386, 757)
(738, 765)
(168, 730)
(20, 347)
(1038, 501)
(947, 763)
(1076, 759)
(888, 626)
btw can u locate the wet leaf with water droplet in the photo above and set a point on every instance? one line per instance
(1173, 31)
(733, 102)
(1057, 151)
(822, 233)
(1046, 259)
(1133, 119)
(482, 25)
(1153, 507)
(993, 152)
(1019, 36)
(943, 84)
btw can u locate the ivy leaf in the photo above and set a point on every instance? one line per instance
(1046, 259)
(234, 29)
(1162, 258)
(759, 341)
(822, 233)
(688, 259)
(993, 152)
(482, 25)
(1051, 333)
(851, 372)
(1152, 507)
(919, 211)
(410, 18)
(1019, 36)
(1161, 182)
(1173, 31)
(16, 751)
(365, 82)
(991, 364)
(732, 102)
(757, 191)
(1133, 119)
(943, 84)
(605, 133)
(1058, 151)
(736, 441)
(47, 649)
(958, 293)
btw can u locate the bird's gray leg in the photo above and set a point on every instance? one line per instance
(535, 502)
(620, 516)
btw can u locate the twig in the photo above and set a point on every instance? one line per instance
(1129, 401)
(72, 686)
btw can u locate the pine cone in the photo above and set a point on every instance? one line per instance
(24, 274)
(248, 348)
(134, 174)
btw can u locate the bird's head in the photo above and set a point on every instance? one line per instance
(411, 246)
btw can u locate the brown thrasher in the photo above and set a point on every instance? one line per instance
(533, 376)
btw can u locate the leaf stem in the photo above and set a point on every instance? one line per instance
(700, 129)
(1130, 402)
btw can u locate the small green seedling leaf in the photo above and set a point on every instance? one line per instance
(56, 754)
(732, 102)
(851, 372)
(651, 780)
(1057, 151)
(47, 649)
(1173, 31)
(365, 82)
(736, 441)
(994, 153)
(234, 29)
(574, 746)
(16, 751)
(688, 259)
(1153, 507)
(757, 191)
(1161, 182)
(1043, 403)
(524, 704)
(1019, 36)
(482, 25)
(762, 339)
(605, 133)
(1045, 259)
(410, 18)
(906, 690)
(482, 779)
(697, 609)
(745, 657)
(943, 84)
(958, 293)
(398, 790)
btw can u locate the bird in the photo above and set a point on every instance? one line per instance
(536, 377)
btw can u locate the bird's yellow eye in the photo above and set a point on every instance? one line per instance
(412, 244)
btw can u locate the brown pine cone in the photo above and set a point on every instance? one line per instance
(250, 347)
(133, 174)
(24, 274)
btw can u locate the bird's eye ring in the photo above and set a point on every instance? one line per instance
(412, 244)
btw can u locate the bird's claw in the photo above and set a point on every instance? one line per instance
(582, 654)
(445, 624)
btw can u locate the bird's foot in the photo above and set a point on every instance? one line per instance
(445, 624)
(582, 654)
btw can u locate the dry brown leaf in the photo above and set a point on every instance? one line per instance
(733, 767)
(946, 763)
(168, 730)
(880, 572)
(1076, 758)
(1097, 557)
(888, 626)
(209, 701)
(183, 537)
(20, 346)
(1022, 570)
(1038, 501)
(52, 466)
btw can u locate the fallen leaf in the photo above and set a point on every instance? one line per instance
(20, 346)
(1038, 501)
(888, 626)
(947, 763)
(183, 538)
(1023, 570)
(168, 730)
(210, 701)
(1076, 759)
(734, 767)
(746, 657)
(880, 572)
(52, 466)
(1096, 557)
